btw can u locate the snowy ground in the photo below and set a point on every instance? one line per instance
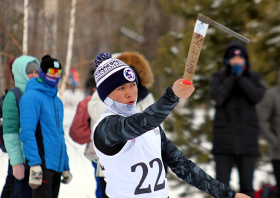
(83, 183)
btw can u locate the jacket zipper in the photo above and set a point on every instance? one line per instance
(56, 114)
(57, 126)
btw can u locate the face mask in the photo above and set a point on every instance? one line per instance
(52, 81)
(237, 69)
(119, 108)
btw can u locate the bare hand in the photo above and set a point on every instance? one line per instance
(181, 90)
(18, 171)
(240, 195)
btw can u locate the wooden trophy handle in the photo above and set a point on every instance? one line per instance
(194, 51)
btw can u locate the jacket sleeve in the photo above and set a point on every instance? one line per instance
(220, 88)
(265, 111)
(11, 128)
(66, 157)
(117, 129)
(80, 129)
(253, 88)
(30, 106)
(66, 160)
(190, 172)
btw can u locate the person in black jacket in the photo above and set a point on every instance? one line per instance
(236, 90)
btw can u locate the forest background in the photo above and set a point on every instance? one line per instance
(161, 30)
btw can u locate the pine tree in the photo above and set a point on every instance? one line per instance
(255, 19)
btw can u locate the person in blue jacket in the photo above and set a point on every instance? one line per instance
(42, 135)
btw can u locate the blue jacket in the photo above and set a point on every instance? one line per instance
(42, 135)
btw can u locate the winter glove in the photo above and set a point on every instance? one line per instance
(66, 177)
(35, 176)
(237, 69)
(18, 171)
(90, 152)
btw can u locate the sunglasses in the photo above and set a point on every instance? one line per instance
(54, 71)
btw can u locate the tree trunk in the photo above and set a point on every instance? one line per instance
(69, 49)
(2, 79)
(25, 29)
(50, 29)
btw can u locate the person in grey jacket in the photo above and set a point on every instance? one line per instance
(269, 116)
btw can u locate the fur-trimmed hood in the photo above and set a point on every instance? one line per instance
(140, 65)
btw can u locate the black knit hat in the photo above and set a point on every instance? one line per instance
(49, 62)
(110, 74)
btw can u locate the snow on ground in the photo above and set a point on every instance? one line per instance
(83, 183)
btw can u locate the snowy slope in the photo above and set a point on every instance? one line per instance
(83, 183)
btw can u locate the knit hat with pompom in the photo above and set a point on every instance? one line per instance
(110, 74)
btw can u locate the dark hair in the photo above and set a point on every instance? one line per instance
(90, 83)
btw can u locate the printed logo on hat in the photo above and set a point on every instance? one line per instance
(237, 52)
(56, 64)
(129, 74)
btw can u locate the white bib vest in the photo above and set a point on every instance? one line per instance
(137, 170)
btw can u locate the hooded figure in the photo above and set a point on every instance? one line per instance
(236, 90)
(236, 48)
(22, 69)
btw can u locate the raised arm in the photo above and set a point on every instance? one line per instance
(116, 129)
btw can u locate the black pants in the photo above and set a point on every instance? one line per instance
(15, 188)
(276, 169)
(50, 185)
(103, 186)
(21, 188)
(6, 192)
(245, 165)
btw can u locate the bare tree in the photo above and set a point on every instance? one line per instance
(50, 28)
(25, 29)
(69, 48)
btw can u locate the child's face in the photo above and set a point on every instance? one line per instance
(33, 74)
(125, 94)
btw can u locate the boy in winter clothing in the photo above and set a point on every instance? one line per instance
(23, 68)
(269, 115)
(144, 97)
(236, 90)
(132, 147)
(42, 135)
